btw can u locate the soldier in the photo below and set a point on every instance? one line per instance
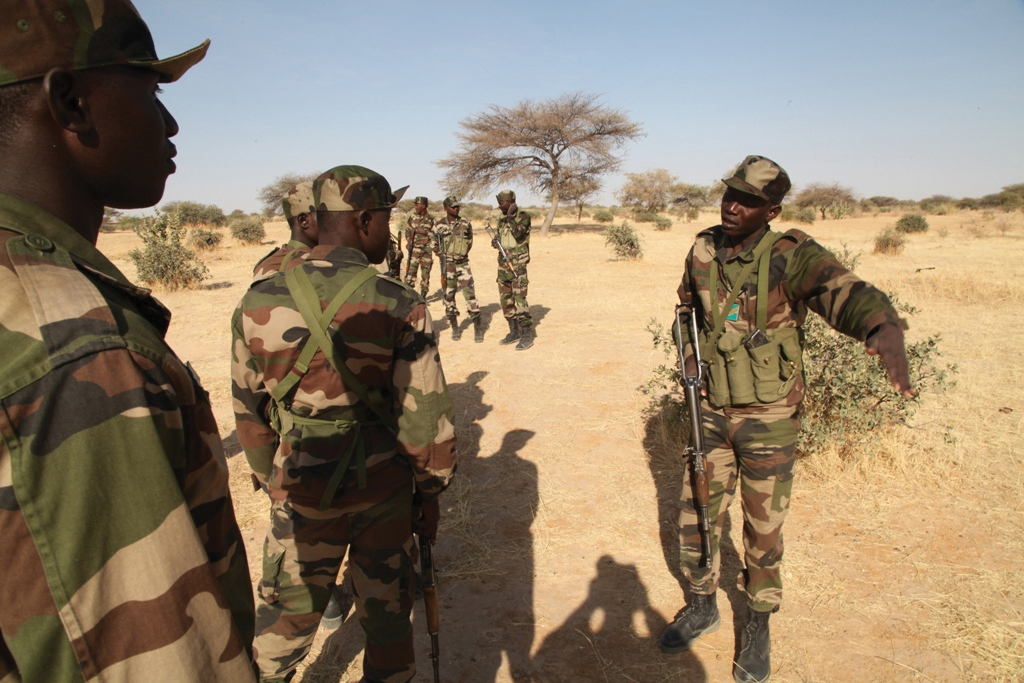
(122, 558)
(297, 206)
(456, 236)
(751, 288)
(514, 236)
(394, 256)
(419, 235)
(342, 413)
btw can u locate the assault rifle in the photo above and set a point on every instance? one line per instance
(430, 602)
(443, 258)
(408, 264)
(501, 250)
(692, 385)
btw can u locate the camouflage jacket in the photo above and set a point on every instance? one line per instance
(122, 558)
(514, 235)
(456, 238)
(384, 332)
(803, 276)
(271, 263)
(419, 231)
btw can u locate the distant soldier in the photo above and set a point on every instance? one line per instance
(343, 411)
(297, 206)
(514, 237)
(394, 256)
(121, 556)
(456, 236)
(751, 289)
(419, 235)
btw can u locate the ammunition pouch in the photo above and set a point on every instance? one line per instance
(738, 375)
(457, 246)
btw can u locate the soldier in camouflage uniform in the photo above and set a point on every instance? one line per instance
(394, 256)
(751, 289)
(456, 235)
(121, 555)
(297, 206)
(342, 414)
(419, 235)
(514, 236)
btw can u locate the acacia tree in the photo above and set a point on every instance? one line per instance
(535, 143)
(832, 200)
(270, 195)
(650, 191)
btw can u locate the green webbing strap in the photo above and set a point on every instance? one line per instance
(285, 260)
(763, 269)
(761, 255)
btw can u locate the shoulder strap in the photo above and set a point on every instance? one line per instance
(308, 303)
(758, 257)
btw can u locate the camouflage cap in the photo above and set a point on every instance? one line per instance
(298, 200)
(421, 200)
(760, 176)
(506, 196)
(38, 35)
(451, 200)
(353, 188)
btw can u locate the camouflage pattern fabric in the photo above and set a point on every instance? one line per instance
(384, 332)
(121, 554)
(419, 232)
(756, 446)
(459, 276)
(301, 560)
(354, 188)
(38, 35)
(755, 443)
(394, 257)
(271, 263)
(514, 235)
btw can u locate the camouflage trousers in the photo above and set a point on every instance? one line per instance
(459, 276)
(422, 261)
(394, 259)
(302, 556)
(512, 295)
(754, 446)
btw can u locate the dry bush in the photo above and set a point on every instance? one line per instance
(624, 241)
(890, 242)
(603, 216)
(912, 222)
(249, 230)
(164, 260)
(203, 239)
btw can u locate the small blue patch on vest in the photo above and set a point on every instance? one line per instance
(734, 313)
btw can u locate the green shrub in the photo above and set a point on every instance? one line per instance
(624, 241)
(849, 397)
(163, 259)
(202, 239)
(793, 214)
(645, 217)
(912, 222)
(604, 216)
(194, 213)
(692, 213)
(248, 230)
(662, 223)
(889, 241)
(968, 203)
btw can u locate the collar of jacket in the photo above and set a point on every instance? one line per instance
(745, 256)
(338, 255)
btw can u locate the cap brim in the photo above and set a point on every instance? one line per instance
(745, 187)
(173, 68)
(399, 193)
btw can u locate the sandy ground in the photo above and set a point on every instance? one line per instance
(556, 553)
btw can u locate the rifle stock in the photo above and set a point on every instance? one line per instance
(692, 385)
(430, 603)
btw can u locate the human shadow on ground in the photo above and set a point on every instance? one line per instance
(577, 228)
(612, 636)
(486, 554)
(666, 435)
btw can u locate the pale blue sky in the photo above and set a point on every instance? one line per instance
(907, 98)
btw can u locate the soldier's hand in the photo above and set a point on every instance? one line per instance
(494, 242)
(886, 342)
(425, 524)
(691, 371)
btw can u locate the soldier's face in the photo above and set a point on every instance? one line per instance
(452, 211)
(420, 209)
(504, 205)
(128, 153)
(744, 214)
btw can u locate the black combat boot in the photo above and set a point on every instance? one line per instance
(456, 332)
(513, 332)
(699, 617)
(753, 665)
(478, 330)
(526, 340)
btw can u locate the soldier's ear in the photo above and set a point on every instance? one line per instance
(773, 213)
(67, 97)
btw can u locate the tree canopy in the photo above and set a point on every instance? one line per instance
(270, 195)
(542, 144)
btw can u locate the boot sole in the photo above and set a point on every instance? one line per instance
(714, 626)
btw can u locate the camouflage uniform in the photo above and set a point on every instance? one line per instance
(394, 257)
(121, 554)
(457, 240)
(419, 233)
(339, 477)
(753, 439)
(514, 235)
(272, 262)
